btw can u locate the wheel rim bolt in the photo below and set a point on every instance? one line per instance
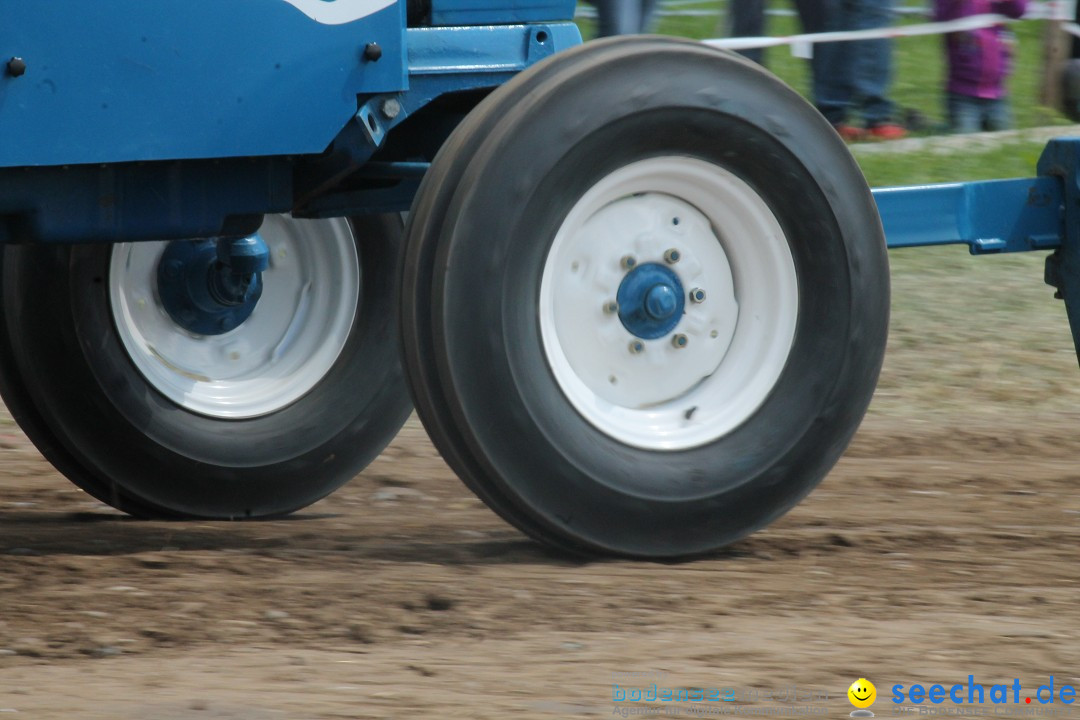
(611, 307)
(672, 256)
(679, 341)
(697, 295)
(636, 347)
(628, 262)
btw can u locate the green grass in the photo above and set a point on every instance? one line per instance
(1013, 159)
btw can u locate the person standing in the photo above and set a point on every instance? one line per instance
(979, 61)
(1070, 78)
(856, 75)
(846, 77)
(746, 18)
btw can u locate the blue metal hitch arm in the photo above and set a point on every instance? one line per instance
(994, 216)
(999, 216)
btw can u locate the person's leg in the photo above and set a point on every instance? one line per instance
(832, 66)
(648, 11)
(873, 63)
(747, 19)
(1076, 40)
(813, 15)
(996, 114)
(617, 17)
(963, 113)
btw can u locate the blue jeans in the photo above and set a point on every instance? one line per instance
(971, 114)
(623, 17)
(746, 18)
(855, 76)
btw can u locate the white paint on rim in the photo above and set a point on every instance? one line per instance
(288, 344)
(732, 247)
(339, 12)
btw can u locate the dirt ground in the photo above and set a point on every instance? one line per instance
(935, 550)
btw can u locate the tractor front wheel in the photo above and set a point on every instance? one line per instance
(645, 300)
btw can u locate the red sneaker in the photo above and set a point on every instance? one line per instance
(850, 133)
(887, 131)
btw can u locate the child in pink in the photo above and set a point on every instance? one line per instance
(979, 61)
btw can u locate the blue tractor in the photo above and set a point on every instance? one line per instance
(640, 301)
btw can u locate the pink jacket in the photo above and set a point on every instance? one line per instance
(979, 60)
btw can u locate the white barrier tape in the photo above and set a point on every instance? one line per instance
(802, 45)
(1047, 10)
(961, 25)
(973, 22)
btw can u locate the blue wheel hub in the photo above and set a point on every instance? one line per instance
(651, 301)
(210, 287)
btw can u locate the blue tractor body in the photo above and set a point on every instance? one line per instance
(134, 81)
(130, 120)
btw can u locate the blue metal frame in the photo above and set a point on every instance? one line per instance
(995, 216)
(148, 184)
(490, 12)
(441, 61)
(130, 80)
(998, 216)
(1061, 160)
(141, 201)
(135, 81)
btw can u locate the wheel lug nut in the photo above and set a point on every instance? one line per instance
(672, 256)
(636, 347)
(627, 262)
(679, 340)
(697, 295)
(611, 307)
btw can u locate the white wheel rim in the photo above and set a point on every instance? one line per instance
(738, 339)
(288, 344)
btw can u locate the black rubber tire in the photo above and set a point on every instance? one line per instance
(71, 385)
(476, 245)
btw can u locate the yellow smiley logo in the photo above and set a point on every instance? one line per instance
(862, 693)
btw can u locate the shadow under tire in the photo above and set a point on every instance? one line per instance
(88, 397)
(666, 433)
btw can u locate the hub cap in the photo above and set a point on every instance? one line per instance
(281, 348)
(651, 301)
